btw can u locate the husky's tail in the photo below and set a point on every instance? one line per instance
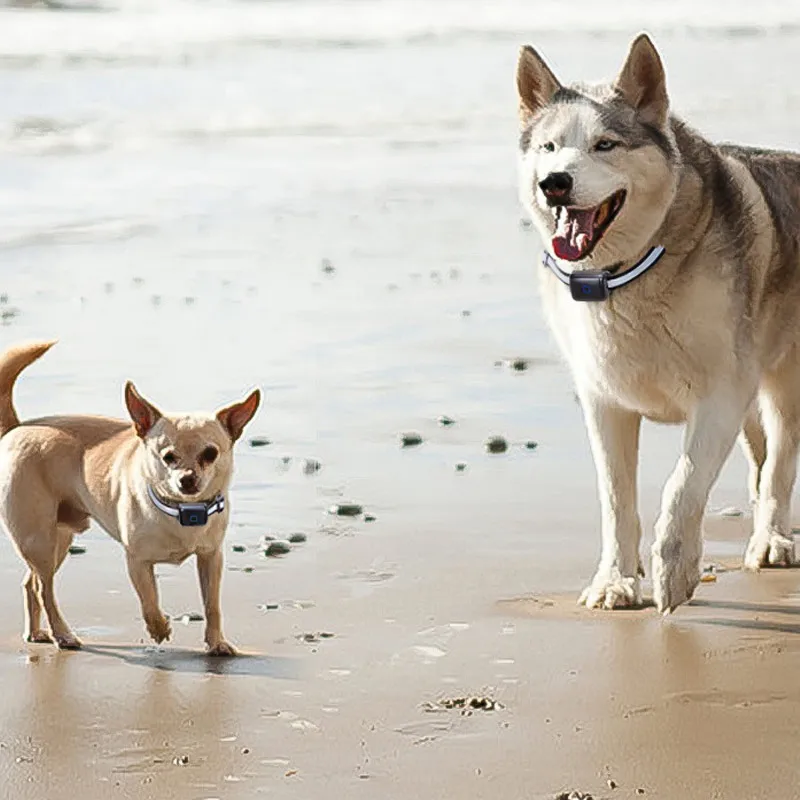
(12, 362)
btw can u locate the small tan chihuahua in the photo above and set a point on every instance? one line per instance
(158, 487)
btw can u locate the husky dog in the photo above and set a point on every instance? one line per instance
(708, 336)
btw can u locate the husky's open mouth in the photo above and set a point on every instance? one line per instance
(578, 230)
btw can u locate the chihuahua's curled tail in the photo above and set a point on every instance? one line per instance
(12, 362)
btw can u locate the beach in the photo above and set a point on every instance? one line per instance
(320, 199)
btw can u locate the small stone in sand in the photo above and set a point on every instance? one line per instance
(640, 790)
(346, 510)
(369, 518)
(708, 577)
(612, 784)
(327, 266)
(76, 549)
(466, 704)
(313, 638)
(497, 444)
(277, 548)
(267, 538)
(574, 795)
(298, 538)
(410, 439)
(247, 569)
(259, 441)
(519, 364)
(531, 445)
(466, 313)
(192, 616)
(731, 511)
(245, 751)
(446, 421)
(311, 465)
(238, 548)
(180, 761)
(269, 607)
(461, 466)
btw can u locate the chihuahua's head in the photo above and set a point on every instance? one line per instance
(188, 457)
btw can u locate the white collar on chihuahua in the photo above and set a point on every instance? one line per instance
(190, 515)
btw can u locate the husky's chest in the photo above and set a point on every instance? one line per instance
(650, 361)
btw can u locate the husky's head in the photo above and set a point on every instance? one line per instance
(598, 163)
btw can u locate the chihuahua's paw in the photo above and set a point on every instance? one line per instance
(68, 641)
(159, 628)
(222, 649)
(39, 637)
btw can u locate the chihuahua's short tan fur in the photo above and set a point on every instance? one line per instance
(57, 473)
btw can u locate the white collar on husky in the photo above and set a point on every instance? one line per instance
(189, 514)
(587, 285)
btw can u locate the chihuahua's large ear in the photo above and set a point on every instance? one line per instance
(143, 413)
(233, 418)
(643, 83)
(536, 83)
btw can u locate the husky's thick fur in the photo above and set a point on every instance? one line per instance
(710, 336)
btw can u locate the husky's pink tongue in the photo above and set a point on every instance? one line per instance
(574, 233)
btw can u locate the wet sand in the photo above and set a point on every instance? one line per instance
(700, 705)
(167, 208)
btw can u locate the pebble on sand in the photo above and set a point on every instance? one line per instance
(531, 445)
(277, 548)
(461, 466)
(311, 466)
(497, 444)
(327, 266)
(259, 441)
(369, 518)
(238, 548)
(346, 510)
(446, 421)
(298, 538)
(76, 549)
(410, 439)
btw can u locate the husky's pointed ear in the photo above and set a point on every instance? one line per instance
(234, 417)
(642, 82)
(143, 413)
(536, 83)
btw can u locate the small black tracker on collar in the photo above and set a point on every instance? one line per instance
(589, 285)
(595, 285)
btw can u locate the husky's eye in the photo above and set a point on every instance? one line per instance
(169, 458)
(548, 147)
(604, 145)
(209, 455)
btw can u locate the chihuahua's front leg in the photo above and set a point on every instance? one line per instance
(144, 582)
(209, 572)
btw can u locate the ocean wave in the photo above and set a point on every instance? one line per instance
(145, 32)
(45, 136)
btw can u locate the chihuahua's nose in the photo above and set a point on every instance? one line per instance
(556, 186)
(188, 483)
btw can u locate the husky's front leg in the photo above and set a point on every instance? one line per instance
(614, 438)
(710, 434)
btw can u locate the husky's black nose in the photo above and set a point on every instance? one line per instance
(556, 186)
(188, 483)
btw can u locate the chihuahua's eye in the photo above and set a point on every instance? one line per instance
(548, 147)
(209, 455)
(169, 458)
(604, 145)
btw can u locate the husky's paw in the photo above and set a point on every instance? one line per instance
(39, 637)
(68, 641)
(611, 589)
(774, 551)
(221, 649)
(158, 627)
(674, 581)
